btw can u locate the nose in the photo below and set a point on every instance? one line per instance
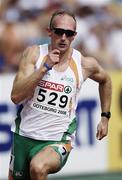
(63, 37)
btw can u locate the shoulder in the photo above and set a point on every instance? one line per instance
(77, 56)
(76, 52)
(90, 66)
(32, 52)
(30, 55)
(28, 60)
(89, 62)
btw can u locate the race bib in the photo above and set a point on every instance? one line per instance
(52, 98)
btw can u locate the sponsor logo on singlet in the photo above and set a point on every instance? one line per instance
(51, 86)
(67, 78)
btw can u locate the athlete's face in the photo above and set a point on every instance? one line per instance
(62, 32)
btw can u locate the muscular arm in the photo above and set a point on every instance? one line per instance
(92, 70)
(27, 78)
(105, 87)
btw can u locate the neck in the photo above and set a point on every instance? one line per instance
(65, 56)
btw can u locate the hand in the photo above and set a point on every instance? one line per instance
(102, 128)
(53, 57)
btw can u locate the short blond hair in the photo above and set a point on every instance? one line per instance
(60, 12)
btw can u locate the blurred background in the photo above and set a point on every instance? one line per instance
(99, 26)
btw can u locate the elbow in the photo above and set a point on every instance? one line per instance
(15, 99)
(106, 83)
(106, 80)
(109, 81)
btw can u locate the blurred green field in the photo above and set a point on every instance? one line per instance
(104, 176)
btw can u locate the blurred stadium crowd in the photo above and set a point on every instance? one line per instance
(24, 22)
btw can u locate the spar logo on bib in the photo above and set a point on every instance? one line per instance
(55, 87)
(51, 85)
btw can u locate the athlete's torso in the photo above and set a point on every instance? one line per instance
(50, 114)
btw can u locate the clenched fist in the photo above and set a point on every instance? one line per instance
(52, 57)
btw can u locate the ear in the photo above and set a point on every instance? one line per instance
(49, 31)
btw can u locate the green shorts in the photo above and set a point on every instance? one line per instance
(23, 150)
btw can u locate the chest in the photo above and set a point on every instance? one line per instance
(64, 82)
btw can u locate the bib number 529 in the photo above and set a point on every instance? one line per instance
(53, 96)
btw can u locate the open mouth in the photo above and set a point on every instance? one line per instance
(62, 45)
